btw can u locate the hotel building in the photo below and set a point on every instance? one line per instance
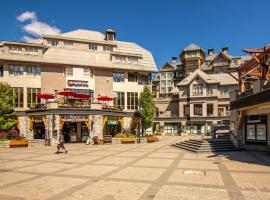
(80, 61)
(192, 94)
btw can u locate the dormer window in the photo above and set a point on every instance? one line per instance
(133, 60)
(15, 49)
(120, 59)
(191, 54)
(93, 47)
(31, 50)
(68, 44)
(107, 48)
(53, 43)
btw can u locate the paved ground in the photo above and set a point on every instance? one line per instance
(142, 171)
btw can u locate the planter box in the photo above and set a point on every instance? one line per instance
(18, 143)
(128, 140)
(116, 140)
(151, 139)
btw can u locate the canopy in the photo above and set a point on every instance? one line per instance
(82, 96)
(45, 96)
(67, 93)
(104, 98)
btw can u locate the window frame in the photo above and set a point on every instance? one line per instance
(118, 77)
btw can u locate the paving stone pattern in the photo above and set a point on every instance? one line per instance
(153, 171)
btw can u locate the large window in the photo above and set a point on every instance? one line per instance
(210, 89)
(87, 72)
(191, 54)
(53, 43)
(197, 89)
(225, 90)
(163, 90)
(33, 71)
(198, 109)
(69, 71)
(171, 129)
(169, 82)
(118, 77)
(15, 49)
(107, 48)
(16, 70)
(120, 59)
(210, 109)
(133, 60)
(186, 110)
(93, 47)
(143, 80)
(163, 83)
(163, 75)
(119, 100)
(18, 102)
(132, 100)
(132, 77)
(32, 99)
(31, 50)
(256, 128)
(68, 44)
(170, 74)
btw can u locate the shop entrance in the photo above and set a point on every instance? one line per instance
(75, 132)
(39, 130)
(112, 127)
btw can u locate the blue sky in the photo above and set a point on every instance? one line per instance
(163, 27)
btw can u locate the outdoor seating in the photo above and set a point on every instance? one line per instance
(107, 139)
(128, 140)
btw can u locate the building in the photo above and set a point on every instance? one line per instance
(198, 97)
(250, 105)
(80, 61)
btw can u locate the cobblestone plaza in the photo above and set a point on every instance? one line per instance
(132, 171)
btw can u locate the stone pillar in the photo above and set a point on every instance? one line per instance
(127, 122)
(79, 132)
(24, 127)
(97, 127)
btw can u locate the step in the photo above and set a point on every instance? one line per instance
(187, 146)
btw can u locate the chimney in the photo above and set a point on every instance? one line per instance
(225, 49)
(174, 59)
(210, 52)
(110, 35)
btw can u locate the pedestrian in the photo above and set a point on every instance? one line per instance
(60, 144)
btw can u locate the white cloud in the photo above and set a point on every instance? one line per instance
(35, 27)
(27, 16)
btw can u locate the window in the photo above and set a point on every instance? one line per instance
(93, 47)
(171, 129)
(32, 99)
(107, 48)
(33, 71)
(120, 59)
(210, 89)
(119, 100)
(132, 100)
(169, 74)
(133, 60)
(118, 77)
(88, 72)
(15, 49)
(1, 71)
(222, 110)
(132, 77)
(163, 83)
(217, 70)
(235, 61)
(185, 91)
(143, 80)
(169, 82)
(186, 110)
(69, 71)
(169, 89)
(163, 90)
(191, 54)
(31, 50)
(197, 89)
(68, 44)
(197, 109)
(225, 90)
(163, 75)
(53, 43)
(210, 109)
(16, 70)
(18, 102)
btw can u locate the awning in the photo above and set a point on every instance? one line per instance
(67, 93)
(104, 98)
(82, 96)
(45, 96)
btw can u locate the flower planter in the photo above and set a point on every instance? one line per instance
(18, 143)
(151, 139)
(116, 140)
(128, 140)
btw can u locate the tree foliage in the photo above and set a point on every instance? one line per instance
(7, 113)
(148, 108)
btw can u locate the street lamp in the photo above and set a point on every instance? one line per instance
(139, 123)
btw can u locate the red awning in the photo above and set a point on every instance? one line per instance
(104, 98)
(82, 96)
(45, 96)
(67, 93)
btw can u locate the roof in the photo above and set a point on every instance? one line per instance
(192, 47)
(84, 34)
(221, 79)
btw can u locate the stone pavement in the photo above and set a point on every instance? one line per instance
(132, 171)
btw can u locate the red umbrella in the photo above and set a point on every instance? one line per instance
(67, 93)
(45, 96)
(104, 98)
(82, 95)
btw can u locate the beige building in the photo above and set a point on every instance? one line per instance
(80, 61)
(199, 97)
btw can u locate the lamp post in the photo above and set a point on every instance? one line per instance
(139, 124)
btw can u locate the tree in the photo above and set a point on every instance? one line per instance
(7, 113)
(147, 108)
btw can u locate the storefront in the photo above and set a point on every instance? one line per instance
(171, 129)
(75, 128)
(256, 129)
(37, 125)
(112, 125)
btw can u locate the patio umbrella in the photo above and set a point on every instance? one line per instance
(82, 96)
(45, 96)
(67, 93)
(104, 98)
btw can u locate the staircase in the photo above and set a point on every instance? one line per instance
(199, 146)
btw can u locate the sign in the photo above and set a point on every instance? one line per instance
(74, 118)
(112, 122)
(77, 83)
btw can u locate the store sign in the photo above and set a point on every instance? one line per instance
(112, 122)
(77, 83)
(38, 121)
(74, 118)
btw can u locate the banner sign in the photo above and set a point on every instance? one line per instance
(74, 118)
(77, 83)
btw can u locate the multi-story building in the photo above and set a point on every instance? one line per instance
(80, 61)
(200, 96)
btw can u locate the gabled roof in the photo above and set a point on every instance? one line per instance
(214, 56)
(84, 34)
(166, 65)
(222, 79)
(192, 47)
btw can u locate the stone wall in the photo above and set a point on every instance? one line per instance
(24, 127)
(127, 122)
(97, 127)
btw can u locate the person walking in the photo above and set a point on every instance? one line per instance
(60, 144)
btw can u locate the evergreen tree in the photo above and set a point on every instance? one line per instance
(7, 113)
(147, 108)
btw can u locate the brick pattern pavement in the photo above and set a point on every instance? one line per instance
(133, 171)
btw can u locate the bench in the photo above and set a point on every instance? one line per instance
(151, 139)
(107, 139)
(18, 143)
(128, 140)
